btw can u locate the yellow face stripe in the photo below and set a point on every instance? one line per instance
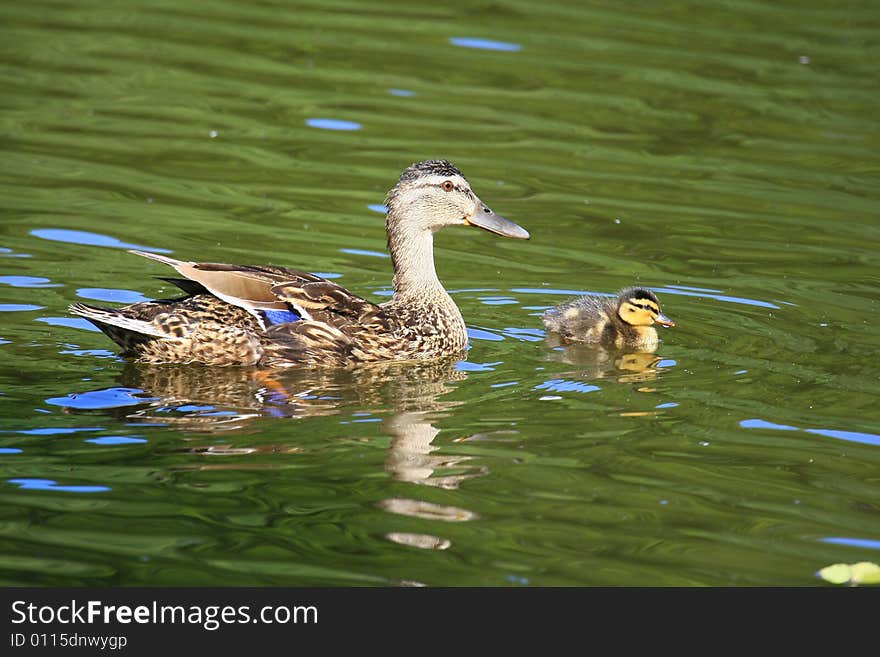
(645, 304)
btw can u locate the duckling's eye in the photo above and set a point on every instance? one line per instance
(447, 185)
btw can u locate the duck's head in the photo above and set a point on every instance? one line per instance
(640, 307)
(434, 194)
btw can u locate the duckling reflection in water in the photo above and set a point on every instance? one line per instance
(622, 322)
(593, 361)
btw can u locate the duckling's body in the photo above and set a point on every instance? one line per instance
(272, 316)
(622, 321)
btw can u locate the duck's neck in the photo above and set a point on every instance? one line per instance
(412, 256)
(420, 300)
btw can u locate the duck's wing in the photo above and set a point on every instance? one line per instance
(325, 301)
(278, 295)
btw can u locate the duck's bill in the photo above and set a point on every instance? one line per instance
(663, 320)
(484, 218)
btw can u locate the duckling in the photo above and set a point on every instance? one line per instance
(625, 321)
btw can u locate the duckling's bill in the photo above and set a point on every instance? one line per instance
(485, 218)
(663, 320)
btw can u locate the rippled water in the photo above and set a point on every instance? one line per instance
(725, 155)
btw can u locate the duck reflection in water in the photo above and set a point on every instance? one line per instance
(226, 401)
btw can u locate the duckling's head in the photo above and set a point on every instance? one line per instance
(434, 194)
(640, 307)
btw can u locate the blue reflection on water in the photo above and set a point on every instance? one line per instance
(365, 252)
(333, 124)
(115, 440)
(27, 281)
(52, 431)
(850, 436)
(406, 93)
(480, 334)
(18, 307)
(498, 301)
(563, 385)
(485, 44)
(853, 542)
(89, 239)
(10, 450)
(49, 484)
(9, 253)
(91, 353)
(467, 366)
(108, 398)
(524, 334)
(110, 294)
(717, 297)
(756, 423)
(70, 322)
(378, 207)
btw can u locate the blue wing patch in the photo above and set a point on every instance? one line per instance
(280, 317)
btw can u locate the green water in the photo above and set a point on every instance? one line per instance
(724, 154)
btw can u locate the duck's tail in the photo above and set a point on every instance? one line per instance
(115, 324)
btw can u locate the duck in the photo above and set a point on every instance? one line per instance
(623, 321)
(271, 316)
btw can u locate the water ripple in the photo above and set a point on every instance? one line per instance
(485, 44)
(868, 543)
(96, 399)
(27, 281)
(333, 124)
(18, 307)
(851, 436)
(51, 484)
(70, 322)
(89, 239)
(110, 294)
(365, 252)
(116, 440)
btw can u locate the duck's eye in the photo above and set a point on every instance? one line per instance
(447, 185)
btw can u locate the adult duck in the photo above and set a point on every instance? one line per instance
(276, 317)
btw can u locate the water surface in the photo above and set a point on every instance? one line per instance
(725, 156)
